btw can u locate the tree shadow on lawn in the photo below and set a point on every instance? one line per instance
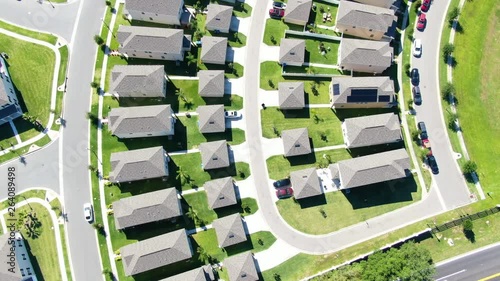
(302, 159)
(470, 235)
(311, 201)
(34, 262)
(388, 192)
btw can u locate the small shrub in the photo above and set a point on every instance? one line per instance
(453, 14)
(448, 48)
(448, 91)
(94, 84)
(108, 3)
(469, 167)
(417, 5)
(98, 40)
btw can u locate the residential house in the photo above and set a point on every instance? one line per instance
(364, 55)
(291, 95)
(362, 92)
(159, 11)
(219, 18)
(15, 259)
(214, 155)
(211, 118)
(211, 83)
(153, 43)
(142, 121)
(241, 267)
(297, 11)
(146, 208)
(296, 142)
(139, 164)
(220, 193)
(292, 51)
(371, 169)
(365, 21)
(162, 250)
(213, 50)
(138, 81)
(371, 130)
(229, 230)
(379, 3)
(204, 273)
(305, 183)
(9, 105)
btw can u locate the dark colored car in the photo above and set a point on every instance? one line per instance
(425, 5)
(431, 161)
(415, 77)
(281, 183)
(276, 13)
(421, 22)
(417, 96)
(279, 5)
(286, 192)
(423, 131)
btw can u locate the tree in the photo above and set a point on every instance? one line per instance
(468, 232)
(469, 167)
(203, 256)
(410, 34)
(98, 40)
(452, 121)
(468, 225)
(448, 48)
(182, 176)
(93, 118)
(191, 59)
(453, 14)
(448, 91)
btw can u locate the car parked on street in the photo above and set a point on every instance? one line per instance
(276, 13)
(232, 114)
(279, 5)
(281, 183)
(88, 212)
(423, 130)
(415, 76)
(431, 161)
(417, 96)
(283, 193)
(417, 48)
(425, 5)
(421, 22)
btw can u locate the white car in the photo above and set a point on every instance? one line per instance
(232, 114)
(88, 212)
(417, 48)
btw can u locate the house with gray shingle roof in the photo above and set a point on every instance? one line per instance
(204, 273)
(291, 95)
(211, 118)
(139, 164)
(159, 11)
(229, 230)
(214, 155)
(297, 11)
(362, 92)
(379, 3)
(296, 142)
(364, 21)
(162, 250)
(146, 208)
(219, 18)
(153, 43)
(364, 55)
(241, 267)
(211, 83)
(9, 106)
(213, 50)
(371, 169)
(220, 193)
(138, 81)
(292, 51)
(305, 183)
(371, 130)
(142, 121)
(15, 258)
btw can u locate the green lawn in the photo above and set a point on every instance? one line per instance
(322, 7)
(7, 137)
(315, 56)
(275, 30)
(235, 39)
(60, 81)
(242, 10)
(29, 62)
(33, 34)
(18, 152)
(312, 70)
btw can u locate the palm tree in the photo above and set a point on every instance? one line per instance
(191, 59)
(182, 176)
(203, 255)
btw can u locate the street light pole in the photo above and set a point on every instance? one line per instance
(95, 155)
(108, 27)
(51, 4)
(26, 202)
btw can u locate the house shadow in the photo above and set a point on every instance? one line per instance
(240, 247)
(229, 210)
(313, 201)
(392, 72)
(304, 113)
(6, 134)
(145, 186)
(225, 100)
(368, 150)
(230, 54)
(21, 124)
(171, 99)
(34, 262)
(230, 171)
(307, 56)
(226, 135)
(228, 86)
(342, 114)
(301, 159)
(383, 193)
(150, 230)
(235, 22)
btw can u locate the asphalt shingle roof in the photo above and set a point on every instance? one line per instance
(211, 118)
(365, 16)
(146, 208)
(163, 40)
(229, 230)
(211, 83)
(213, 49)
(204, 273)
(220, 192)
(140, 119)
(156, 252)
(291, 95)
(161, 7)
(298, 10)
(374, 168)
(292, 50)
(241, 267)
(305, 183)
(296, 142)
(138, 80)
(138, 164)
(214, 155)
(365, 52)
(343, 86)
(372, 130)
(218, 17)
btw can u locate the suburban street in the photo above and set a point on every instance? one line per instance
(475, 265)
(450, 181)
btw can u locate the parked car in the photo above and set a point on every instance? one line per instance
(88, 212)
(431, 161)
(281, 183)
(276, 13)
(417, 48)
(232, 114)
(415, 77)
(423, 131)
(279, 5)
(286, 192)
(425, 5)
(417, 96)
(421, 22)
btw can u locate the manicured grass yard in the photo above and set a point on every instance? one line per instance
(311, 70)
(33, 34)
(275, 30)
(7, 137)
(322, 7)
(242, 10)
(315, 56)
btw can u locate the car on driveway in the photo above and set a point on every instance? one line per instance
(279, 5)
(431, 161)
(425, 5)
(421, 22)
(414, 76)
(285, 192)
(88, 212)
(281, 183)
(417, 96)
(276, 13)
(232, 114)
(417, 48)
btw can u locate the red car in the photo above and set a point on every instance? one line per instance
(425, 5)
(276, 13)
(286, 192)
(421, 22)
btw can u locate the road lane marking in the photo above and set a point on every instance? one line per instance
(453, 274)
(490, 277)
